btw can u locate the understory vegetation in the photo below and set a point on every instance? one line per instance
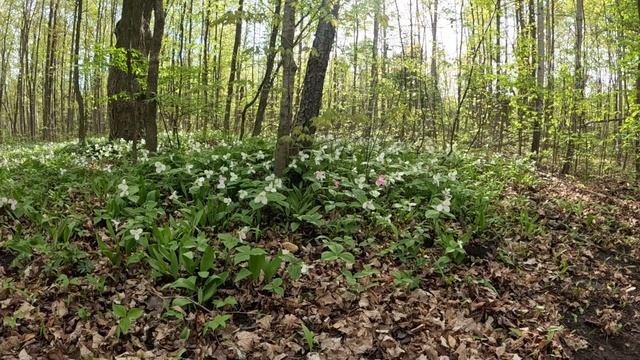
(201, 252)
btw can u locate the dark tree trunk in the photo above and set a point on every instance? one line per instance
(132, 108)
(151, 118)
(372, 107)
(82, 122)
(539, 99)
(233, 68)
(288, 80)
(576, 112)
(638, 130)
(313, 85)
(48, 110)
(268, 78)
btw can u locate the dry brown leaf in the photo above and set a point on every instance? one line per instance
(24, 355)
(291, 247)
(265, 322)
(247, 340)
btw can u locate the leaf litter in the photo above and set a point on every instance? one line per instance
(570, 290)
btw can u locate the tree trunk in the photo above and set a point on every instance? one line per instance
(82, 126)
(130, 111)
(313, 85)
(151, 97)
(288, 81)
(268, 78)
(637, 140)
(48, 110)
(373, 97)
(576, 113)
(233, 68)
(540, 59)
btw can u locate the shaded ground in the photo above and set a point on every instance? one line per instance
(561, 281)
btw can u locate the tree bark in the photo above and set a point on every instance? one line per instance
(540, 59)
(268, 78)
(313, 85)
(233, 67)
(373, 97)
(82, 126)
(576, 111)
(288, 81)
(48, 109)
(151, 98)
(132, 107)
(637, 135)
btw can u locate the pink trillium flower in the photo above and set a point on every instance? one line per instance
(381, 181)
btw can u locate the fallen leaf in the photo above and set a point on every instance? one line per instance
(247, 340)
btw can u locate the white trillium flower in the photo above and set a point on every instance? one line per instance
(242, 233)
(227, 201)
(174, 196)
(436, 179)
(304, 269)
(320, 175)
(445, 205)
(124, 188)
(208, 174)
(261, 198)
(160, 167)
(271, 188)
(222, 182)
(188, 168)
(13, 203)
(453, 175)
(136, 233)
(368, 205)
(199, 182)
(242, 194)
(233, 177)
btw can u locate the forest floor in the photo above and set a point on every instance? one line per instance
(566, 285)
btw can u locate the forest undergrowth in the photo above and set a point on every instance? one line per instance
(359, 251)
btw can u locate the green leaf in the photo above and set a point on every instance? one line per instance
(219, 321)
(180, 301)
(119, 310)
(124, 325)
(230, 241)
(270, 268)
(309, 337)
(230, 300)
(242, 274)
(185, 283)
(206, 262)
(256, 263)
(135, 313)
